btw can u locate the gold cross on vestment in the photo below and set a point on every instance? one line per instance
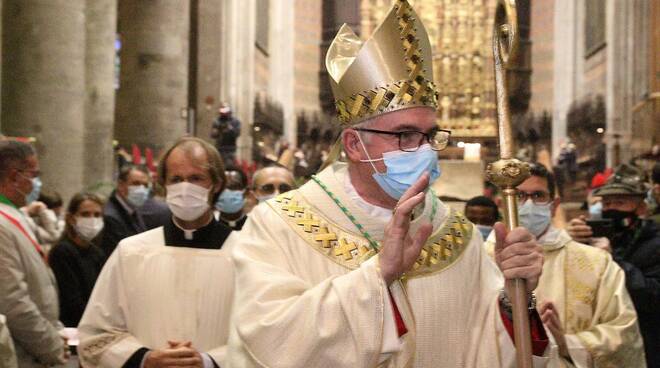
(293, 207)
(325, 237)
(345, 248)
(308, 222)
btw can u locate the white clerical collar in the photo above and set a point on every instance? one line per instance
(550, 236)
(553, 239)
(381, 213)
(188, 234)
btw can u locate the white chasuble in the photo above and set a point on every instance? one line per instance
(149, 293)
(589, 291)
(309, 292)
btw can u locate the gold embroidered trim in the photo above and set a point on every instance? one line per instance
(416, 90)
(349, 250)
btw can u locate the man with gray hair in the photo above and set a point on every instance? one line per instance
(364, 266)
(28, 291)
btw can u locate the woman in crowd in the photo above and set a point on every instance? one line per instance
(76, 260)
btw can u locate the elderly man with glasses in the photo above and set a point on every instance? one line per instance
(28, 290)
(582, 293)
(364, 266)
(271, 181)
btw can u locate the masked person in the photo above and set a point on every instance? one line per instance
(76, 260)
(164, 296)
(225, 130)
(582, 295)
(483, 213)
(232, 199)
(335, 274)
(28, 290)
(270, 181)
(130, 209)
(634, 243)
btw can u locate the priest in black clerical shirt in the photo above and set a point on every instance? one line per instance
(164, 296)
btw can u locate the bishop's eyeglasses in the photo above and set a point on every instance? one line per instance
(411, 140)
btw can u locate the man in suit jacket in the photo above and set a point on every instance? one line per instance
(130, 209)
(28, 291)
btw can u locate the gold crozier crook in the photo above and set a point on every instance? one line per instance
(508, 172)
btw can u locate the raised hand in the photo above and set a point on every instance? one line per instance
(400, 249)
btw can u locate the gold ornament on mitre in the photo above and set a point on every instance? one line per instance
(390, 71)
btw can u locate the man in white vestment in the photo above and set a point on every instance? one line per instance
(363, 266)
(164, 296)
(582, 293)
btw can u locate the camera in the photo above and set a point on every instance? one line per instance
(602, 227)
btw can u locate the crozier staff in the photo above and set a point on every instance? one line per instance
(336, 274)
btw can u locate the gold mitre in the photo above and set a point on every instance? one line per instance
(391, 71)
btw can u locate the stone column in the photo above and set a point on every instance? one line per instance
(154, 72)
(101, 26)
(641, 111)
(237, 55)
(618, 83)
(281, 86)
(566, 28)
(209, 65)
(43, 84)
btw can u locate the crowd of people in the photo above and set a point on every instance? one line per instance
(135, 270)
(601, 272)
(52, 258)
(199, 265)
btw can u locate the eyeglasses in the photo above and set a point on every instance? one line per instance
(411, 140)
(538, 197)
(270, 188)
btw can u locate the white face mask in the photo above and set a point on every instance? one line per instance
(266, 197)
(187, 201)
(88, 227)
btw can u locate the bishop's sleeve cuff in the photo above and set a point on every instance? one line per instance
(539, 337)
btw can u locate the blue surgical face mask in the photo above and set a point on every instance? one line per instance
(484, 230)
(596, 210)
(137, 195)
(230, 201)
(36, 190)
(403, 169)
(535, 217)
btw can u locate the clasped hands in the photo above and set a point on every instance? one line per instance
(517, 253)
(178, 354)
